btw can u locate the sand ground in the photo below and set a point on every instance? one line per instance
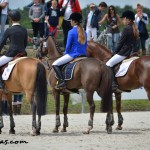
(134, 136)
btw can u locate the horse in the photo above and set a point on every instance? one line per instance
(136, 77)
(28, 76)
(89, 74)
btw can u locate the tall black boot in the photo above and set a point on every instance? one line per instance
(61, 81)
(1, 83)
(114, 84)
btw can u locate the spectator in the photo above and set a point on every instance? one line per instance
(141, 19)
(17, 102)
(91, 22)
(52, 18)
(69, 7)
(113, 23)
(36, 14)
(3, 16)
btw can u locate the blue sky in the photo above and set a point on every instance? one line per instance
(84, 3)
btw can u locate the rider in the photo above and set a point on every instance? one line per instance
(18, 40)
(75, 47)
(127, 42)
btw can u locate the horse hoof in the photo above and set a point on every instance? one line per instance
(38, 132)
(55, 130)
(33, 133)
(86, 132)
(11, 131)
(118, 128)
(63, 130)
(109, 130)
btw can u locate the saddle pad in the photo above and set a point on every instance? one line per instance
(67, 71)
(125, 66)
(9, 68)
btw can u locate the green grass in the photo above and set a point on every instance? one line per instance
(127, 105)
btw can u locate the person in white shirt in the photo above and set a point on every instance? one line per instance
(3, 16)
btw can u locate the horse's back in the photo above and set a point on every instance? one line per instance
(89, 72)
(138, 74)
(23, 75)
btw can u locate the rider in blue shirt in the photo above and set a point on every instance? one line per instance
(75, 47)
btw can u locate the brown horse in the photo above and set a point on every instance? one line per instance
(137, 76)
(90, 75)
(28, 76)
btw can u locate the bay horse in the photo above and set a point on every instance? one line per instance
(28, 76)
(90, 75)
(137, 76)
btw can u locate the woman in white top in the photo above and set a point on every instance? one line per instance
(3, 16)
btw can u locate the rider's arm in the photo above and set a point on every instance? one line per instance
(69, 42)
(26, 40)
(122, 40)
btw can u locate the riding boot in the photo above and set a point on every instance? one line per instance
(114, 84)
(61, 81)
(1, 83)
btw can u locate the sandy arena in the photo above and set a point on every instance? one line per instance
(134, 136)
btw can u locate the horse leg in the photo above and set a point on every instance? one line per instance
(38, 125)
(1, 118)
(118, 109)
(109, 122)
(65, 112)
(57, 106)
(33, 109)
(89, 96)
(12, 123)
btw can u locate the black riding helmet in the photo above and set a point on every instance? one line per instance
(14, 15)
(76, 17)
(128, 14)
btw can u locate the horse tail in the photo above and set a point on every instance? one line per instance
(106, 89)
(41, 89)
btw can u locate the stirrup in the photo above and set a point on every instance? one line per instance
(60, 85)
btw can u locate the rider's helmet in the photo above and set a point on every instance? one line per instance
(14, 15)
(76, 17)
(128, 14)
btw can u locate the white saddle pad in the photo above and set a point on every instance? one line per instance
(9, 68)
(125, 66)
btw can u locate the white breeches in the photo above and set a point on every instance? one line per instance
(62, 60)
(115, 60)
(91, 33)
(4, 59)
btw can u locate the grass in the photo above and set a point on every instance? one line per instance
(127, 105)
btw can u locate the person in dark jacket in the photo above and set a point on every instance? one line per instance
(91, 23)
(126, 43)
(18, 40)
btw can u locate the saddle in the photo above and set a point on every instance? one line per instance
(6, 65)
(68, 69)
(131, 57)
